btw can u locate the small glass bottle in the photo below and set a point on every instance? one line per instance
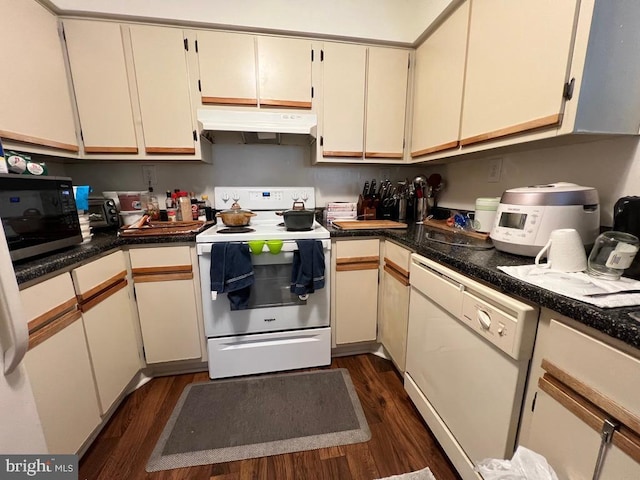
(169, 203)
(208, 210)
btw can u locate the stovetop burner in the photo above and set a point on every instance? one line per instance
(295, 229)
(236, 230)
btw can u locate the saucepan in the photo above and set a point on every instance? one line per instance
(235, 216)
(298, 218)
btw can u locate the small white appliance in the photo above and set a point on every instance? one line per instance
(526, 216)
(279, 330)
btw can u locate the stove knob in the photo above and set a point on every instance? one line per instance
(295, 196)
(304, 196)
(225, 197)
(235, 196)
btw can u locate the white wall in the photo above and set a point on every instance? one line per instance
(242, 165)
(400, 21)
(611, 166)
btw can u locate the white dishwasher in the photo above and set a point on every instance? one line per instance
(468, 354)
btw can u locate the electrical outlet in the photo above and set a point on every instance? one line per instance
(149, 175)
(495, 166)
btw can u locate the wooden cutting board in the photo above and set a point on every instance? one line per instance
(165, 228)
(442, 225)
(367, 224)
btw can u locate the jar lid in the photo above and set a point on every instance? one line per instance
(487, 203)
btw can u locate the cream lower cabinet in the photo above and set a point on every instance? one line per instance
(167, 299)
(59, 366)
(394, 302)
(355, 290)
(581, 387)
(106, 306)
(35, 98)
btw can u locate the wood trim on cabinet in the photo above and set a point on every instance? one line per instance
(623, 438)
(19, 137)
(395, 274)
(92, 292)
(435, 148)
(163, 277)
(100, 297)
(88, 149)
(47, 317)
(382, 155)
(328, 153)
(52, 328)
(551, 120)
(357, 263)
(598, 399)
(170, 150)
(284, 103)
(138, 271)
(229, 101)
(396, 267)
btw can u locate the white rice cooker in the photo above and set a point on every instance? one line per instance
(527, 215)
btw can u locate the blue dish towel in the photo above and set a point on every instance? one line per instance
(307, 273)
(231, 272)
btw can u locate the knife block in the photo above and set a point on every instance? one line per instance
(366, 208)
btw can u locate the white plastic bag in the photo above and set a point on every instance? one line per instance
(525, 465)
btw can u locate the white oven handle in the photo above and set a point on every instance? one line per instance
(287, 246)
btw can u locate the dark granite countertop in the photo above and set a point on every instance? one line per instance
(481, 265)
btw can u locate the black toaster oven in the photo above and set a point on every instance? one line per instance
(103, 213)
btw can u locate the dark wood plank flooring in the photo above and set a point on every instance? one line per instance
(400, 440)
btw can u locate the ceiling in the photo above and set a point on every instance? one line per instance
(399, 22)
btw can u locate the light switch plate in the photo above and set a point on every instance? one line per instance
(495, 167)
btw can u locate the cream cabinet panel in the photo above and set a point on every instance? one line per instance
(394, 302)
(49, 298)
(93, 277)
(113, 345)
(355, 290)
(162, 79)
(169, 320)
(35, 99)
(284, 70)
(344, 69)
(60, 373)
(101, 86)
(517, 64)
(227, 68)
(166, 298)
(386, 102)
(438, 86)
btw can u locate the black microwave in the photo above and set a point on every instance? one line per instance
(38, 214)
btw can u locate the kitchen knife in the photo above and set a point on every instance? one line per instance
(365, 190)
(372, 187)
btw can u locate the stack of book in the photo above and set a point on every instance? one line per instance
(341, 211)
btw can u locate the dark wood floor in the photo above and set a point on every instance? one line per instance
(400, 440)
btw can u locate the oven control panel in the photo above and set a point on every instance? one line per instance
(263, 198)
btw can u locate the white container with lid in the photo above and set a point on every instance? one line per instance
(485, 213)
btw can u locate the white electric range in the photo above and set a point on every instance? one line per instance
(278, 330)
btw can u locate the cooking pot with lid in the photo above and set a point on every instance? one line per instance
(235, 216)
(298, 218)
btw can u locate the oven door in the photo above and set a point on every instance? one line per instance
(272, 307)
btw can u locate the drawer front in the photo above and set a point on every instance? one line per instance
(611, 372)
(160, 256)
(398, 255)
(439, 288)
(357, 248)
(57, 293)
(92, 275)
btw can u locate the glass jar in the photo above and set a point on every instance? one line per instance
(611, 254)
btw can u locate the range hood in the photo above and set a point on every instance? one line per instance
(258, 126)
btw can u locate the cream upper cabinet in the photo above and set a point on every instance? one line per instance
(438, 86)
(35, 99)
(227, 68)
(159, 57)
(354, 290)
(386, 102)
(517, 65)
(284, 69)
(364, 96)
(343, 84)
(101, 86)
(244, 69)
